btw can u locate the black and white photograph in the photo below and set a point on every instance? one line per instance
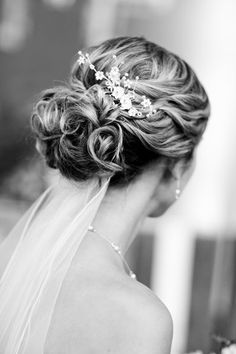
(117, 177)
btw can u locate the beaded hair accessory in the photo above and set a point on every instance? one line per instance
(120, 89)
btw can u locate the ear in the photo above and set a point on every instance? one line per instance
(167, 188)
(163, 195)
(178, 170)
(182, 172)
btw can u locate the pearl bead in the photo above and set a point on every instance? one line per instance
(177, 193)
(116, 248)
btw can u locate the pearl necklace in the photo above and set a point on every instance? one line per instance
(116, 249)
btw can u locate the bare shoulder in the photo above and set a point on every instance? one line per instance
(134, 320)
(150, 324)
(114, 315)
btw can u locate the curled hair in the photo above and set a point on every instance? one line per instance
(80, 132)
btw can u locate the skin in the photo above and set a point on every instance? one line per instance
(100, 308)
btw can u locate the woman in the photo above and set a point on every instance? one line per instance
(123, 135)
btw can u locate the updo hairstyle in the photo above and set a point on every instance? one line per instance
(80, 132)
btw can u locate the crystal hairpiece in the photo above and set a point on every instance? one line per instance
(120, 88)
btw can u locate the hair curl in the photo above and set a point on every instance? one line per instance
(81, 133)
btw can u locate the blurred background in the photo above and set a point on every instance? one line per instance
(188, 256)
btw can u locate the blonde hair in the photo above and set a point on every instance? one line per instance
(80, 132)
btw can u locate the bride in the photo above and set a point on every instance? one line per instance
(122, 134)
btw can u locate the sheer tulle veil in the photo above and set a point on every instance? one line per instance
(43, 244)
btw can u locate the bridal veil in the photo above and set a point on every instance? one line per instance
(43, 245)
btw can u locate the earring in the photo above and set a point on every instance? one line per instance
(178, 190)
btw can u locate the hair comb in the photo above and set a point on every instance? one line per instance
(120, 88)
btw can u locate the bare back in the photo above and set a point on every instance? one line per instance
(102, 311)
